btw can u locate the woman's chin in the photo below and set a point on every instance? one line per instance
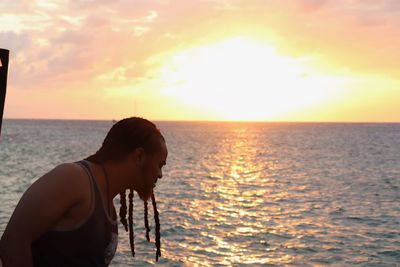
(145, 196)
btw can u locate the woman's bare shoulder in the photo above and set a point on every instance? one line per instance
(45, 202)
(65, 174)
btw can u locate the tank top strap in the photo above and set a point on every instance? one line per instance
(97, 195)
(93, 181)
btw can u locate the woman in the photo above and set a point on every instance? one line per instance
(67, 217)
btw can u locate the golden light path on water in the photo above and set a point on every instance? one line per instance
(233, 213)
(235, 204)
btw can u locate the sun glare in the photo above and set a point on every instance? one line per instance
(241, 79)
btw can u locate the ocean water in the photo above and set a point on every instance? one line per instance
(233, 194)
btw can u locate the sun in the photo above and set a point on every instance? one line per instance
(242, 79)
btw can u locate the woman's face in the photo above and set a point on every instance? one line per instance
(151, 171)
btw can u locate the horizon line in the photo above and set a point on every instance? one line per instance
(214, 121)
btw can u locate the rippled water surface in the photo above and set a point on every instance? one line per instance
(261, 194)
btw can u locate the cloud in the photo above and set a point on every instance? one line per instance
(66, 47)
(55, 42)
(311, 5)
(17, 6)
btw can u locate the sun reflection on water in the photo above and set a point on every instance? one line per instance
(235, 198)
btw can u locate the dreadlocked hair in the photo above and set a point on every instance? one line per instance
(122, 210)
(146, 221)
(123, 137)
(130, 218)
(157, 221)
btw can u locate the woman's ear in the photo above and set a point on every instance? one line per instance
(139, 156)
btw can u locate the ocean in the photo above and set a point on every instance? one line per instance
(234, 194)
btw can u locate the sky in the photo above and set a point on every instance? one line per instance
(258, 60)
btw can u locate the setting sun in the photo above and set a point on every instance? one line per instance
(241, 79)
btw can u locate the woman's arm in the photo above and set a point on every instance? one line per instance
(41, 207)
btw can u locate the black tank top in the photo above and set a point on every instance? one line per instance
(92, 242)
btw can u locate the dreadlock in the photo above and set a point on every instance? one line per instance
(122, 210)
(156, 219)
(146, 221)
(123, 137)
(130, 218)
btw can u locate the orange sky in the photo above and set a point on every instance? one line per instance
(287, 60)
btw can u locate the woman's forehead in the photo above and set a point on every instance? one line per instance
(161, 153)
(164, 150)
